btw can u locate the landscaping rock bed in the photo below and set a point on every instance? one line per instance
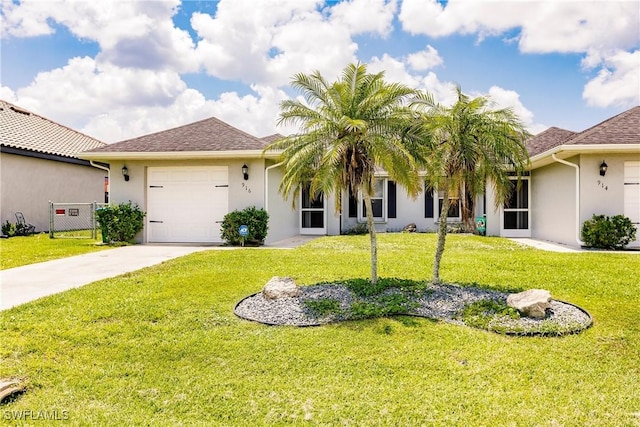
(440, 302)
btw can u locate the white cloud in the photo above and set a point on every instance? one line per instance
(504, 98)
(8, 94)
(425, 59)
(138, 34)
(365, 16)
(617, 83)
(547, 26)
(601, 29)
(267, 42)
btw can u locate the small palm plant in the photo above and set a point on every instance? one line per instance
(347, 129)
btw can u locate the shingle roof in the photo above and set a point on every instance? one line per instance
(621, 129)
(25, 130)
(205, 135)
(547, 140)
(271, 138)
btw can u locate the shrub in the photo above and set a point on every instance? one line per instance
(257, 220)
(358, 230)
(120, 223)
(8, 229)
(605, 232)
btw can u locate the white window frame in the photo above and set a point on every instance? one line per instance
(323, 209)
(385, 199)
(436, 208)
(517, 232)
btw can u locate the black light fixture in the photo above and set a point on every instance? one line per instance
(245, 171)
(125, 173)
(603, 168)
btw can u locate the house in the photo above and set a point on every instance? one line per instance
(573, 176)
(189, 177)
(38, 164)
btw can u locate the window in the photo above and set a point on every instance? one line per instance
(377, 201)
(516, 209)
(312, 210)
(454, 206)
(383, 201)
(428, 203)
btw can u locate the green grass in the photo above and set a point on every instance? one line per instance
(162, 347)
(24, 250)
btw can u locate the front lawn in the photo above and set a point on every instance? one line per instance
(24, 250)
(162, 347)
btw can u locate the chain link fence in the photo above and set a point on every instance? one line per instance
(73, 220)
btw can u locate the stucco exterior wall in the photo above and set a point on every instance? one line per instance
(283, 219)
(27, 184)
(602, 194)
(283, 222)
(553, 206)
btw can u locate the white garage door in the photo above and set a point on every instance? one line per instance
(186, 204)
(632, 197)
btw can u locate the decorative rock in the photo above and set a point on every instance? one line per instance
(532, 303)
(280, 287)
(410, 228)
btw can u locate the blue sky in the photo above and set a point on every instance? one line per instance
(117, 70)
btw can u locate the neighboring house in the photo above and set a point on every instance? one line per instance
(188, 178)
(39, 163)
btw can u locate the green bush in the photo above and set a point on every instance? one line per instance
(605, 232)
(120, 223)
(257, 220)
(8, 229)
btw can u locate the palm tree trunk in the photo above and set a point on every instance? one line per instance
(372, 235)
(442, 235)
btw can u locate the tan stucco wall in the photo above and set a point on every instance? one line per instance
(27, 185)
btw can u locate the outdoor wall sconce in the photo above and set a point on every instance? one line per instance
(603, 168)
(245, 171)
(125, 173)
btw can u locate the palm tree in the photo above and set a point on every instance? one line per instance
(348, 128)
(472, 144)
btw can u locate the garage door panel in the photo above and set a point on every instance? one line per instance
(185, 204)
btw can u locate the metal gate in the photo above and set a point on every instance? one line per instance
(73, 220)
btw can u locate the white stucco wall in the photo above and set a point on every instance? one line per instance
(242, 193)
(552, 210)
(602, 194)
(27, 184)
(283, 219)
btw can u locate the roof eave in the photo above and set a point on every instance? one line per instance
(565, 151)
(180, 155)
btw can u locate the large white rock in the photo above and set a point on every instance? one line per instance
(532, 303)
(280, 287)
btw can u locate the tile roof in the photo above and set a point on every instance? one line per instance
(547, 140)
(205, 135)
(22, 129)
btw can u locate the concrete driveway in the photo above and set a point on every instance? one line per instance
(30, 282)
(23, 284)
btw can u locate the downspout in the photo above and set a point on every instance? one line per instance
(105, 169)
(266, 185)
(577, 168)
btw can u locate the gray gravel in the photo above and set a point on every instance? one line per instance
(440, 302)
